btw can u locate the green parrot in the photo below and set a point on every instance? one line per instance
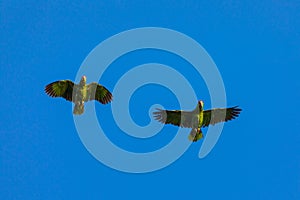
(79, 93)
(197, 118)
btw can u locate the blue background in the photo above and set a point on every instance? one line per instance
(256, 46)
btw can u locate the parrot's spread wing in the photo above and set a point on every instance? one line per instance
(175, 117)
(211, 117)
(99, 93)
(63, 88)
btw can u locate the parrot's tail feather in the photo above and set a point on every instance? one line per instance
(195, 134)
(78, 109)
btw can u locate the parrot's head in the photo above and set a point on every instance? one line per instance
(200, 105)
(83, 80)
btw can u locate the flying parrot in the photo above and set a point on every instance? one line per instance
(197, 118)
(79, 93)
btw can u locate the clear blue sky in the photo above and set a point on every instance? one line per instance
(256, 46)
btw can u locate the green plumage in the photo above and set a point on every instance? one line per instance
(197, 118)
(79, 93)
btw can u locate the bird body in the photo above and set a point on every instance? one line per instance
(79, 93)
(79, 96)
(197, 118)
